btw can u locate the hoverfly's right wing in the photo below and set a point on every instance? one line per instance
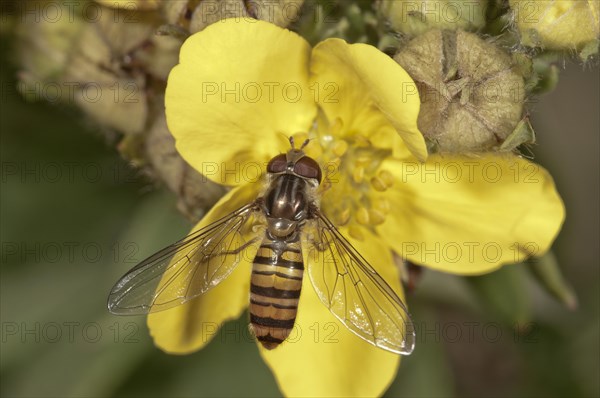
(188, 268)
(354, 292)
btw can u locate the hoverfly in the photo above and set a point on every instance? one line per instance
(274, 229)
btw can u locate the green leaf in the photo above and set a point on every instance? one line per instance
(522, 134)
(589, 51)
(503, 294)
(546, 271)
(546, 73)
(427, 371)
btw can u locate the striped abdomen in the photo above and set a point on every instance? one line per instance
(275, 290)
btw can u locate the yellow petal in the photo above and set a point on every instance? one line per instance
(368, 91)
(471, 215)
(190, 326)
(240, 89)
(322, 358)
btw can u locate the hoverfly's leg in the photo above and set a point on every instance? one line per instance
(259, 204)
(319, 245)
(242, 247)
(315, 237)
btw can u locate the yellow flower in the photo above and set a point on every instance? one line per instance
(243, 87)
(557, 24)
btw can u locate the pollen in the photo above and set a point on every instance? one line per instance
(362, 216)
(382, 205)
(343, 216)
(356, 232)
(376, 217)
(356, 185)
(378, 184)
(339, 148)
(358, 174)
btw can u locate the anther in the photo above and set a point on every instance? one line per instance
(340, 147)
(381, 204)
(386, 177)
(378, 184)
(376, 217)
(358, 174)
(336, 128)
(363, 160)
(343, 216)
(362, 216)
(356, 232)
(361, 141)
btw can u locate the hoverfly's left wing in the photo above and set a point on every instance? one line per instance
(188, 268)
(354, 292)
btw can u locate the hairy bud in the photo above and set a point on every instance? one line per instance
(471, 91)
(195, 192)
(193, 16)
(564, 24)
(416, 17)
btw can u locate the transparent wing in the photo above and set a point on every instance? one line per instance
(354, 292)
(188, 268)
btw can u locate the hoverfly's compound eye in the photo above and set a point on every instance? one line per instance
(278, 164)
(308, 168)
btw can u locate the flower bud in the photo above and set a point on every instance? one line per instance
(547, 272)
(545, 74)
(522, 134)
(281, 12)
(109, 79)
(195, 193)
(159, 46)
(416, 17)
(44, 47)
(563, 24)
(194, 16)
(107, 64)
(131, 4)
(471, 92)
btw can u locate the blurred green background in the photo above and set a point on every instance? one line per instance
(75, 217)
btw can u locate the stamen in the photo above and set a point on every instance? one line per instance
(386, 177)
(361, 141)
(336, 128)
(358, 174)
(378, 184)
(340, 147)
(376, 217)
(363, 160)
(353, 173)
(381, 204)
(343, 216)
(356, 232)
(362, 216)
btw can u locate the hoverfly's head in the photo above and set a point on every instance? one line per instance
(295, 162)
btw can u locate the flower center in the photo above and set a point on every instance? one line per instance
(354, 184)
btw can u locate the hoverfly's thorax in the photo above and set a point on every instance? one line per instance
(287, 199)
